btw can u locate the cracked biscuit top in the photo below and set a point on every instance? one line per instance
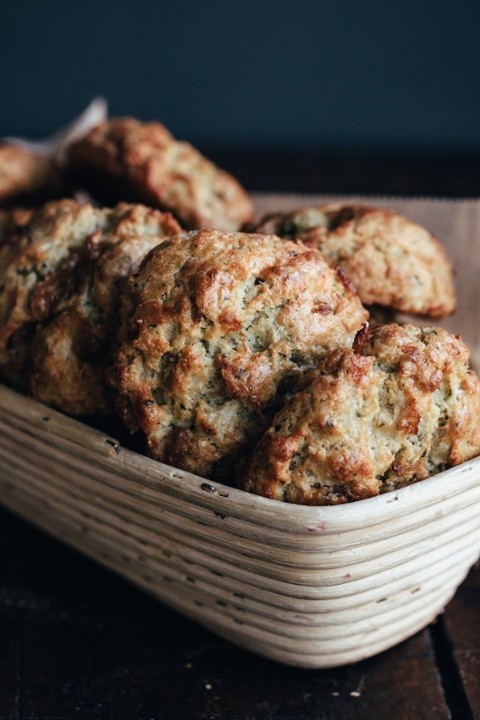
(141, 162)
(392, 261)
(216, 329)
(400, 406)
(59, 289)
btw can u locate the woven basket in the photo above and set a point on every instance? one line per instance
(314, 587)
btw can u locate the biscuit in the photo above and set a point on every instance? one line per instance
(216, 328)
(392, 261)
(400, 406)
(68, 359)
(12, 221)
(125, 159)
(14, 370)
(27, 258)
(68, 262)
(24, 173)
(71, 351)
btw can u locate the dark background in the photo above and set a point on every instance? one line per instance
(346, 75)
(323, 97)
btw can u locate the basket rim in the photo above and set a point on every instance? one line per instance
(219, 497)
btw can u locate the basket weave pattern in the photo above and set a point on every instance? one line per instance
(314, 587)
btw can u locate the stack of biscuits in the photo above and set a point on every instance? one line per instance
(262, 355)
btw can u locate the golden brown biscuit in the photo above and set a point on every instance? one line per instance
(400, 406)
(125, 159)
(216, 328)
(69, 260)
(392, 261)
(68, 360)
(71, 351)
(25, 173)
(28, 259)
(12, 222)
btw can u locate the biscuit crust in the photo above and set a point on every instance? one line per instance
(69, 261)
(71, 351)
(400, 406)
(392, 261)
(14, 369)
(29, 260)
(142, 162)
(26, 173)
(216, 327)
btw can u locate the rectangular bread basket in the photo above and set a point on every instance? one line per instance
(306, 586)
(314, 587)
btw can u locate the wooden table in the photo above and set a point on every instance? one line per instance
(78, 642)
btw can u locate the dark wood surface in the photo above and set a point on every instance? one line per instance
(78, 642)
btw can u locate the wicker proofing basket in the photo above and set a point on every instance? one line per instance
(314, 587)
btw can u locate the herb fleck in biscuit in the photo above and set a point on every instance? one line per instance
(216, 329)
(400, 406)
(142, 162)
(392, 261)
